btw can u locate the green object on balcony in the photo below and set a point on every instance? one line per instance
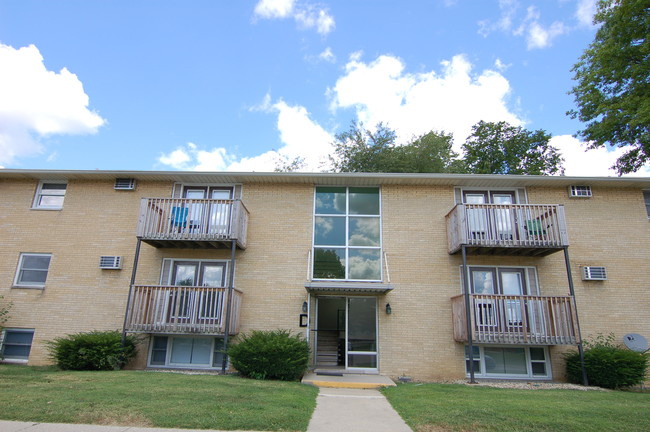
(535, 228)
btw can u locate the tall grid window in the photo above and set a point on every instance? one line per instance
(347, 233)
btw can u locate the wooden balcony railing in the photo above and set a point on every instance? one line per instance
(519, 320)
(534, 229)
(164, 221)
(182, 310)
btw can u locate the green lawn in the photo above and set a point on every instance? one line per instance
(139, 398)
(448, 407)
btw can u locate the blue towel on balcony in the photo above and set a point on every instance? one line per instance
(179, 216)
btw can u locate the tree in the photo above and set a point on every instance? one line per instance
(613, 83)
(362, 150)
(500, 148)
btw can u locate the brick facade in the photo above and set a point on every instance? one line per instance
(610, 229)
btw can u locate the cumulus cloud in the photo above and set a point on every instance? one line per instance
(191, 158)
(578, 161)
(36, 103)
(538, 35)
(301, 137)
(452, 100)
(307, 15)
(585, 11)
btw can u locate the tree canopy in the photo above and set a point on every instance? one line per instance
(612, 93)
(361, 150)
(499, 148)
(493, 148)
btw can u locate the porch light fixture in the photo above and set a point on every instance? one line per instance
(389, 310)
(304, 307)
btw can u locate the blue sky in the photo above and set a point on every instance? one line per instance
(210, 85)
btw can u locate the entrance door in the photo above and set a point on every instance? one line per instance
(213, 218)
(346, 333)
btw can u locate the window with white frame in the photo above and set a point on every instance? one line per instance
(509, 362)
(580, 191)
(32, 270)
(186, 352)
(646, 198)
(16, 344)
(50, 195)
(347, 234)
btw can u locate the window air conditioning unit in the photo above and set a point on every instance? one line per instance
(594, 273)
(110, 262)
(124, 184)
(580, 191)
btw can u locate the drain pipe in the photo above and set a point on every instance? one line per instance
(231, 286)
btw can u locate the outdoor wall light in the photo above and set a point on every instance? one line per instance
(389, 310)
(304, 307)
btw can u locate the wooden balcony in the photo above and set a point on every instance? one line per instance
(507, 229)
(516, 320)
(182, 310)
(192, 223)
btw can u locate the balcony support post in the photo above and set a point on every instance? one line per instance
(231, 286)
(581, 351)
(128, 301)
(468, 316)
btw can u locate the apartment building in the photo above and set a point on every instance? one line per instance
(431, 276)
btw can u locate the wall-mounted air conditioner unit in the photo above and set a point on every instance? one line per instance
(592, 273)
(124, 184)
(110, 262)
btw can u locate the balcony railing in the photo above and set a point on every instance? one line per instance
(182, 310)
(165, 221)
(527, 229)
(516, 319)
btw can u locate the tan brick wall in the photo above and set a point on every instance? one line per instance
(610, 229)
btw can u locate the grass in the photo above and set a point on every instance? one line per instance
(448, 407)
(151, 399)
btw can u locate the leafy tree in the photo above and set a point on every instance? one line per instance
(500, 148)
(362, 150)
(284, 164)
(613, 82)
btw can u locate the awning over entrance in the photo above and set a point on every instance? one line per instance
(348, 287)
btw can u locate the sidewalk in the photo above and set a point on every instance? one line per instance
(352, 410)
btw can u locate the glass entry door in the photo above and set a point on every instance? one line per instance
(362, 333)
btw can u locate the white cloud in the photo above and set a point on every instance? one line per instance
(191, 158)
(36, 103)
(452, 101)
(274, 8)
(578, 161)
(306, 15)
(300, 136)
(585, 11)
(327, 55)
(540, 37)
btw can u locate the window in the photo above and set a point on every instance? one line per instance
(509, 362)
(50, 195)
(347, 234)
(32, 270)
(646, 197)
(580, 191)
(16, 344)
(193, 352)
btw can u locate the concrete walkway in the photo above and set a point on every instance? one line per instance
(352, 410)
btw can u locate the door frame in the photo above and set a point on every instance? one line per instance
(346, 343)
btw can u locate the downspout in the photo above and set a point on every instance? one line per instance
(581, 351)
(128, 301)
(231, 287)
(468, 317)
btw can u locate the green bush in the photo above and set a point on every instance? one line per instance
(96, 350)
(270, 355)
(607, 364)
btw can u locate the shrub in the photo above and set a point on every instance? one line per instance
(270, 355)
(607, 364)
(96, 350)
